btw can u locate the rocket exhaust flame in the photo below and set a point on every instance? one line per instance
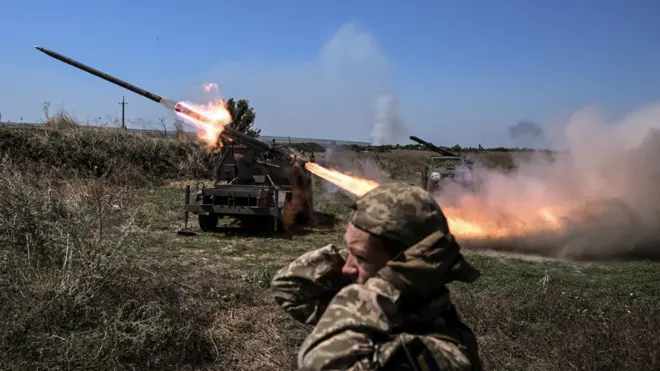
(459, 226)
(210, 120)
(356, 185)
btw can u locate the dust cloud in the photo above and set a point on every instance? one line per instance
(596, 198)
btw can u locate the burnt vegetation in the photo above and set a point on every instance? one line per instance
(93, 275)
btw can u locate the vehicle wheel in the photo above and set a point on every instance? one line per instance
(208, 222)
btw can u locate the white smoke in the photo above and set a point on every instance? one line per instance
(330, 96)
(603, 190)
(388, 128)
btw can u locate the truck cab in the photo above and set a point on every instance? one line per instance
(442, 169)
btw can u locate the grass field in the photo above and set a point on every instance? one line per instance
(94, 276)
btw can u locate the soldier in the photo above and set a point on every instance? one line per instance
(382, 303)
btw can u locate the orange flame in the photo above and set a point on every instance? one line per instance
(210, 119)
(461, 222)
(477, 222)
(356, 185)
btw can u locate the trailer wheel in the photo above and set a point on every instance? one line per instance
(208, 222)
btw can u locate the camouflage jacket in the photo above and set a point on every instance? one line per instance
(359, 327)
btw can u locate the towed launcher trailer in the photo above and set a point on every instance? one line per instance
(255, 183)
(240, 201)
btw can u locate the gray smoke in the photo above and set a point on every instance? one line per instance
(602, 191)
(526, 133)
(388, 128)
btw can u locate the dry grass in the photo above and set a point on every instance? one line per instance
(74, 297)
(94, 277)
(66, 150)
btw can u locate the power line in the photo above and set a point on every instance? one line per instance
(123, 104)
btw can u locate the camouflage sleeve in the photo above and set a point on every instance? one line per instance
(355, 333)
(305, 286)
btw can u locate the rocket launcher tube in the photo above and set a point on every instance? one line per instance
(100, 74)
(432, 147)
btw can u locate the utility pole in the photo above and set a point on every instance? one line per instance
(123, 104)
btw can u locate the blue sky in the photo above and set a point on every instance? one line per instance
(460, 71)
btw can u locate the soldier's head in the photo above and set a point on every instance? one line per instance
(386, 221)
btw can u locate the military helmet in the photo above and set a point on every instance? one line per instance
(400, 213)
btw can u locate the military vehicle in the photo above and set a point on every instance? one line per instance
(255, 187)
(445, 167)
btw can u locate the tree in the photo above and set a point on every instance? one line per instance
(242, 117)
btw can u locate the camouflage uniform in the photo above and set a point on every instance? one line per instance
(400, 319)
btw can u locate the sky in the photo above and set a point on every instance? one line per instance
(462, 72)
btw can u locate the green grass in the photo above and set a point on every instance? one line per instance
(551, 316)
(94, 276)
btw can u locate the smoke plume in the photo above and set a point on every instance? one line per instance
(388, 128)
(526, 133)
(598, 198)
(332, 95)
